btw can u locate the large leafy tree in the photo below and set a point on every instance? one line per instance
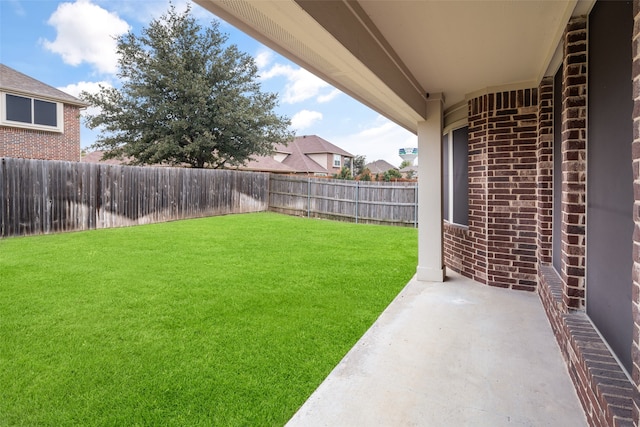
(358, 164)
(185, 98)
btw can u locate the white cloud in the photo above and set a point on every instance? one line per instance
(91, 87)
(86, 32)
(144, 11)
(381, 140)
(76, 88)
(301, 85)
(305, 118)
(263, 58)
(329, 96)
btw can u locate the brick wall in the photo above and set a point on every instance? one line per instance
(503, 134)
(606, 394)
(604, 390)
(574, 161)
(476, 236)
(508, 241)
(458, 253)
(36, 144)
(544, 153)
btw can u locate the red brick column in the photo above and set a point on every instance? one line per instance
(511, 186)
(574, 161)
(502, 238)
(635, 350)
(477, 237)
(544, 152)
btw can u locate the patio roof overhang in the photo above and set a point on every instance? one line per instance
(415, 62)
(390, 54)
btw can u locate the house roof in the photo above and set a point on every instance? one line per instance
(380, 166)
(17, 82)
(297, 160)
(409, 169)
(96, 157)
(267, 164)
(313, 144)
(300, 162)
(391, 55)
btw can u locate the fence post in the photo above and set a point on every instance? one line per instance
(357, 198)
(415, 212)
(308, 197)
(4, 214)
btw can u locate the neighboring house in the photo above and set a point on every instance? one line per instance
(37, 121)
(96, 157)
(305, 155)
(410, 172)
(379, 166)
(525, 118)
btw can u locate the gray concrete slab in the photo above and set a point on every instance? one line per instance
(450, 354)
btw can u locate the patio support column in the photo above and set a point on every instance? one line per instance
(430, 257)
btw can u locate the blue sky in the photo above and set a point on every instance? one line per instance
(70, 45)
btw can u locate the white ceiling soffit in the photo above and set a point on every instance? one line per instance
(389, 53)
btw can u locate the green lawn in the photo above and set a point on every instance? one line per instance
(230, 320)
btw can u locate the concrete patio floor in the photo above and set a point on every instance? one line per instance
(450, 354)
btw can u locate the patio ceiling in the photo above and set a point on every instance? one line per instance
(391, 54)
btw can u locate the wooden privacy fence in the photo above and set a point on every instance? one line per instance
(38, 196)
(358, 201)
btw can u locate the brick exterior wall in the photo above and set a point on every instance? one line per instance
(606, 394)
(635, 350)
(574, 161)
(43, 145)
(503, 135)
(476, 236)
(604, 390)
(509, 238)
(458, 253)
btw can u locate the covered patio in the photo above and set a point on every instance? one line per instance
(497, 94)
(455, 353)
(412, 61)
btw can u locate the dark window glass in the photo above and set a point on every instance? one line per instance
(18, 109)
(455, 176)
(610, 199)
(44, 113)
(461, 176)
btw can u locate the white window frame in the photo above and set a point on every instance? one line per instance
(337, 160)
(11, 123)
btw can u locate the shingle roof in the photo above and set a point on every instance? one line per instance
(300, 162)
(312, 144)
(267, 164)
(297, 160)
(14, 81)
(409, 169)
(96, 157)
(379, 166)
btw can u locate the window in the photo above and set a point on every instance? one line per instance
(610, 179)
(22, 111)
(336, 160)
(455, 179)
